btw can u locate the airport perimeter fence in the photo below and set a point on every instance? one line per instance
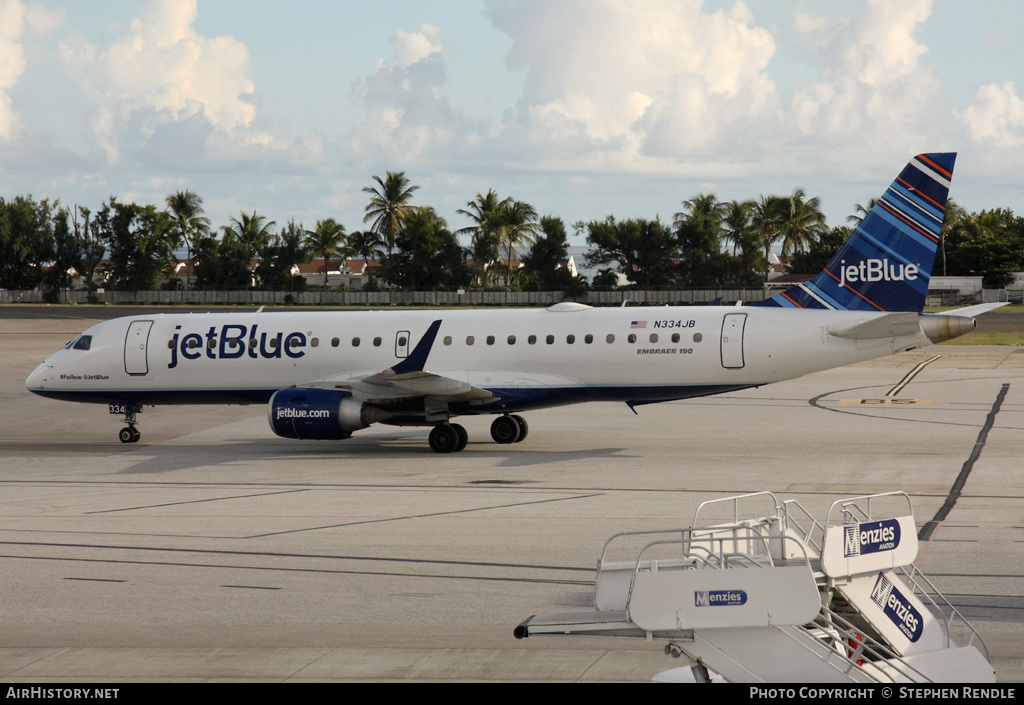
(383, 298)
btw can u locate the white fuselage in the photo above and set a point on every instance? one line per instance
(535, 357)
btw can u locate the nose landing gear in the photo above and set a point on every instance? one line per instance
(128, 434)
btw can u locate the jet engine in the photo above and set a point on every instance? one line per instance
(939, 328)
(319, 414)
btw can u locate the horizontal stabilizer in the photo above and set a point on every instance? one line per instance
(888, 326)
(975, 310)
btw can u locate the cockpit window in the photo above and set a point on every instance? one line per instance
(84, 342)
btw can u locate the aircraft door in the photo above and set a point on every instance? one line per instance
(402, 344)
(732, 340)
(136, 360)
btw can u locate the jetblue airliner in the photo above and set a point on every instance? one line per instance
(324, 375)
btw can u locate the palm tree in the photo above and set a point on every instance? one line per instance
(253, 232)
(861, 212)
(186, 208)
(953, 216)
(766, 217)
(736, 221)
(801, 222)
(484, 241)
(367, 244)
(328, 240)
(389, 206)
(516, 227)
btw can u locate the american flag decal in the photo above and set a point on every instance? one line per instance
(638, 324)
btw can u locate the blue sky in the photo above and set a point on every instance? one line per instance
(584, 108)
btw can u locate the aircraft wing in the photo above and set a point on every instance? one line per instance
(887, 326)
(390, 387)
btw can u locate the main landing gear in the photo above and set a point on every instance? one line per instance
(452, 437)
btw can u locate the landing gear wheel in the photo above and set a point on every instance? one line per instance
(463, 437)
(505, 429)
(444, 439)
(129, 434)
(523, 427)
(136, 435)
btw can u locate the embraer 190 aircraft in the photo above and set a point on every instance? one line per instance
(327, 374)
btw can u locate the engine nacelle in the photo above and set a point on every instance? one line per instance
(939, 328)
(319, 414)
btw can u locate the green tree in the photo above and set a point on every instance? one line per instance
(484, 243)
(221, 264)
(820, 252)
(699, 229)
(427, 255)
(281, 255)
(516, 227)
(546, 260)
(26, 241)
(643, 250)
(252, 232)
(800, 223)
(328, 240)
(140, 241)
(186, 209)
(389, 206)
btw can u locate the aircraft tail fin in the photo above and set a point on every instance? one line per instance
(887, 262)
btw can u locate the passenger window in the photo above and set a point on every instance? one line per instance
(447, 340)
(213, 343)
(252, 342)
(675, 337)
(490, 340)
(532, 340)
(376, 342)
(550, 339)
(355, 342)
(192, 343)
(570, 339)
(170, 344)
(511, 340)
(697, 337)
(232, 344)
(470, 340)
(588, 339)
(315, 342)
(610, 338)
(273, 343)
(335, 342)
(654, 337)
(402, 340)
(632, 337)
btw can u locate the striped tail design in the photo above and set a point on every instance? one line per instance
(887, 262)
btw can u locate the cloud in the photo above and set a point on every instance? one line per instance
(12, 61)
(162, 71)
(874, 91)
(995, 116)
(661, 77)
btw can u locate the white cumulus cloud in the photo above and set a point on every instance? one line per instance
(162, 71)
(664, 77)
(12, 60)
(995, 116)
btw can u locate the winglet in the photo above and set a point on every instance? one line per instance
(887, 262)
(418, 358)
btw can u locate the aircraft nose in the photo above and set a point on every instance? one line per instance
(39, 377)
